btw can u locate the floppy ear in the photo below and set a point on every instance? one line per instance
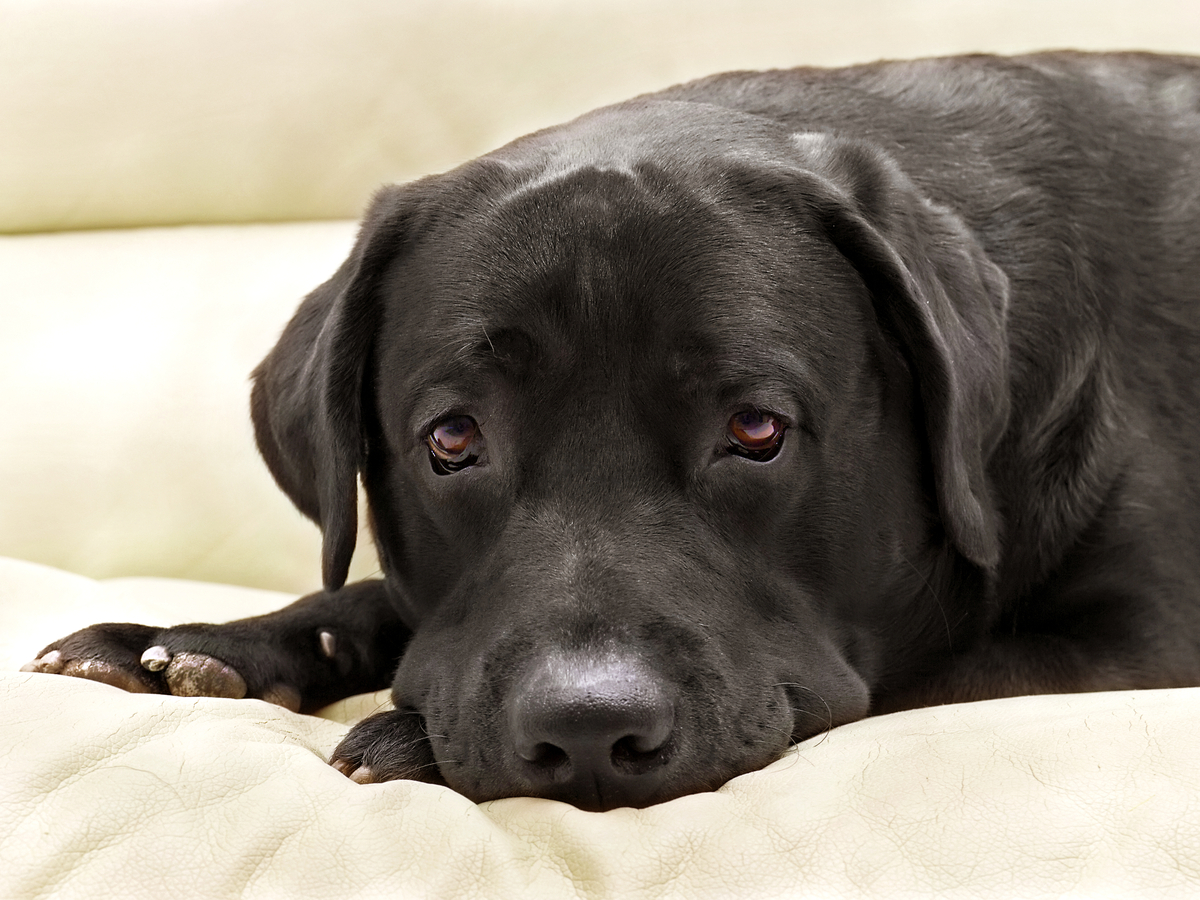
(937, 292)
(306, 403)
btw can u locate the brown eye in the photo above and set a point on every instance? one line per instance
(454, 444)
(755, 435)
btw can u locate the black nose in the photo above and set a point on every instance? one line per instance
(593, 730)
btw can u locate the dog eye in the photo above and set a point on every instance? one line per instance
(755, 435)
(454, 444)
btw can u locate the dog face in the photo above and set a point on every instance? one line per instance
(671, 425)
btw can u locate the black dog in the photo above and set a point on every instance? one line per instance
(724, 416)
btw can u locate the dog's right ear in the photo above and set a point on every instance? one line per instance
(306, 403)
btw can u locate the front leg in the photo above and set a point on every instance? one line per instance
(322, 648)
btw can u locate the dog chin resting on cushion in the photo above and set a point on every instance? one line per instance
(724, 416)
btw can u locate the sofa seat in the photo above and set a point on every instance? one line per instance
(109, 794)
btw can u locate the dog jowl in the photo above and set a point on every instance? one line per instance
(721, 417)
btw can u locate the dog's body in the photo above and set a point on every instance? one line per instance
(723, 416)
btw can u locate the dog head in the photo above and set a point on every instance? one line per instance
(673, 427)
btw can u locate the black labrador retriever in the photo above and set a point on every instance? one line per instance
(726, 415)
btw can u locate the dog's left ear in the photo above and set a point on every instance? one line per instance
(934, 290)
(306, 403)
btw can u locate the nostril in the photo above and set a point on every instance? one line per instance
(634, 755)
(545, 755)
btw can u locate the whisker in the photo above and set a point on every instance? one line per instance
(828, 710)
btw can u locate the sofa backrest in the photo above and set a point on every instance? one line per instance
(154, 112)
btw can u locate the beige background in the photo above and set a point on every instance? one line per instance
(136, 112)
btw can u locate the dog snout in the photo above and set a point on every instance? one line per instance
(594, 730)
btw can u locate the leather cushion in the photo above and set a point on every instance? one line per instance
(104, 793)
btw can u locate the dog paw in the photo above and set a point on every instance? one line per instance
(112, 653)
(107, 653)
(55, 663)
(191, 674)
(291, 668)
(388, 746)
(197, 675)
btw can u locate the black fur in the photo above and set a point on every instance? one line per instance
(969, 291)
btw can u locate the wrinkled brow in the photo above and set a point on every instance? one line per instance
(466, 363)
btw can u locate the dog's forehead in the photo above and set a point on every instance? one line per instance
(611, 246)
(675, 134)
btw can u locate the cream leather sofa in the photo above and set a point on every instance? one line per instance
(174, 175)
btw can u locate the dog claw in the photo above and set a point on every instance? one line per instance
(362, 775)
(49, 664)
(328, 644)
(156, 658)
(197, 675)
(355, 771)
